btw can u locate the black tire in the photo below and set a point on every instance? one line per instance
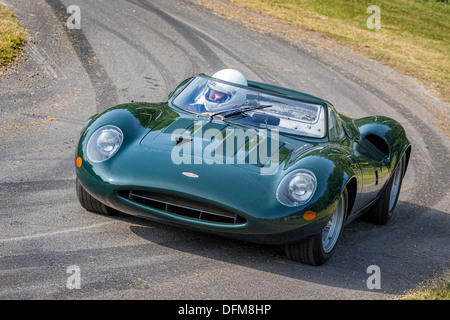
(382, 211)
(89, 203)
(316, 250)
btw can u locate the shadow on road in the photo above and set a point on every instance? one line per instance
(409, 248)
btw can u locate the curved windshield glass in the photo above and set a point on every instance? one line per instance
(209, 96)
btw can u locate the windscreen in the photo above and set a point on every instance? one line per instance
(209, 96)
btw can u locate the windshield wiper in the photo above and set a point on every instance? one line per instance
(239, 110)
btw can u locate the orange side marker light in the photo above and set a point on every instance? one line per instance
(79, 162)
(309, 215)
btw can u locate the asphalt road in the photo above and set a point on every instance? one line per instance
(140, 50)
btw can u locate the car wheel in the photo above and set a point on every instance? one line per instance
(89, 203)
(383, 209)
(318, 249)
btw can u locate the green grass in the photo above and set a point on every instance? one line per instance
(436, 289)
(414, 37)
(12, 36)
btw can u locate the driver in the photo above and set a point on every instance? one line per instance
(219, 96)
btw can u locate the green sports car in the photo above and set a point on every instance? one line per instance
(273, 166)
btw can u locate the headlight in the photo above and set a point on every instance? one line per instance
(104, 143)
(297, 188)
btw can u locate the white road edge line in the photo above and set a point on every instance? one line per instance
(48, 234)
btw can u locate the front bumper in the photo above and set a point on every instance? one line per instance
(165, 203)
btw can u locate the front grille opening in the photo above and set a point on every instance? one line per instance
(183, 207)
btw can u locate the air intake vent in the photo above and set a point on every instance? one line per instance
(182, 207)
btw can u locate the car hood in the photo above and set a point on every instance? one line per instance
(199, 140)
(210, 160)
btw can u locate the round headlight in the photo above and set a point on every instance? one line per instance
(104, 143)
(297, 188)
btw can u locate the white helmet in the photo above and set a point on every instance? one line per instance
(220, 96)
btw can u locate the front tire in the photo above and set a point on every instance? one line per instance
(89, 203)
(319, 248)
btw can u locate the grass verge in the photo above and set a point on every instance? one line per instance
(12, 36)
(435, 289)
(413, 38)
